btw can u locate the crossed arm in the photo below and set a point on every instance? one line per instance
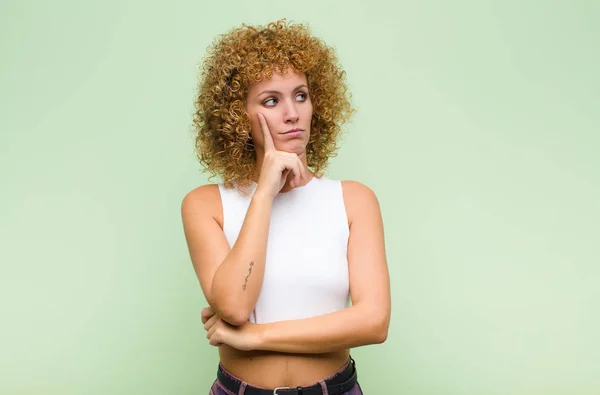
(365, 322)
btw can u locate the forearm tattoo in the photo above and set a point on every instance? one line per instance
(249, 273)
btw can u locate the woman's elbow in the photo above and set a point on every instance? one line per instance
(380, 336)
(228, 309)
(236, 318)
(231, 313)
(380, 330)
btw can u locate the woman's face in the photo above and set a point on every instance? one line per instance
(284, 102)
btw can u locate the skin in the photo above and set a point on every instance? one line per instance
(286, 353)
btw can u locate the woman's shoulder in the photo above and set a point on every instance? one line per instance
(202, 199)
(351, 189)
(356, 189)
(205, 192)
(358, 198)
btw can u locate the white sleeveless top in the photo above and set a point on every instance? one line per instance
(306, 271)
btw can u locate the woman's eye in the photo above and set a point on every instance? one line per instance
(270, 102)
(302, 96)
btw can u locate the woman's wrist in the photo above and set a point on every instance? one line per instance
(262, 197)
(257, 337)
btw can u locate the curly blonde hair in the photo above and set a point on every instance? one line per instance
(249, 54)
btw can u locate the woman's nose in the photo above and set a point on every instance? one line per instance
(291, 113)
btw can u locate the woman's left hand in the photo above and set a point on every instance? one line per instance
(245, 337)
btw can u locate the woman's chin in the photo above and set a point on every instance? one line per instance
(293, 147)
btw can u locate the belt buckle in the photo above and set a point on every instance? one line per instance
(280, 388)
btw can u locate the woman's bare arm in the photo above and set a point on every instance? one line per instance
(231, 278)
(365, 322)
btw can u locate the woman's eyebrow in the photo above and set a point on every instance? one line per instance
(273, 92)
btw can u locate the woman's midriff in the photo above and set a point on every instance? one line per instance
(269, 370)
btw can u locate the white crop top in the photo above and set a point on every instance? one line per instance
(306, 270)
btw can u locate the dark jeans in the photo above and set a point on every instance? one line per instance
(218, 388)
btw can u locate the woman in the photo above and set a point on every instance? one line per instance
(279, 249)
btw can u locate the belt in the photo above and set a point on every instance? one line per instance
(338, 384)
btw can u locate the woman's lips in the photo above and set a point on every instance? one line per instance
(293, 133)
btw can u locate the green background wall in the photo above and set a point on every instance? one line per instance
(478, 127)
